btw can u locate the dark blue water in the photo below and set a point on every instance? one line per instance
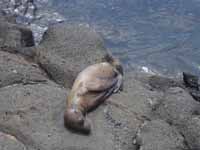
(162, 35)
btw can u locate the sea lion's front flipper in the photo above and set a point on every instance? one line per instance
(101, 84)
(96, 98)
(119, 85)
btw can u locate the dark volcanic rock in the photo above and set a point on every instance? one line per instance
(177, 106)
(195, 94)
(158, 135)
(192, 84)
(163, 83)
(68, 49)
(191, 80)
(15, 69)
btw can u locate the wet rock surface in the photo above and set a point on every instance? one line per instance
(151, 112)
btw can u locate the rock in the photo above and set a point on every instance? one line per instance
(13, 36)
(163, 83)
(191, 80)
(158, 135)
(14, 69)
(32, 105)
(192, 84)
(127, 110)
(9, 142)
(31, 114)
(195, 94)
(6, 17)
(68, 49)
(24, 10)
(137, 98)
(32, 110)
(191, 131)
(34, 115)
(177, 106)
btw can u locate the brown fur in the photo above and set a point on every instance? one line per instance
(92, 87)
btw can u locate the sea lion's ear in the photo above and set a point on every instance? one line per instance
(108, 58)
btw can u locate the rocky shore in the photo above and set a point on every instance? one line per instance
(152, 113)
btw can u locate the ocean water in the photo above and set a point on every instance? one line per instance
(155, 36)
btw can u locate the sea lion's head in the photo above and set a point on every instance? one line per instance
(114, 62)
(74, 119)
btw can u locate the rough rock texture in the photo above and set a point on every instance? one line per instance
(15, 69)
(33, 114)
(67, 49)
(158, 135)
(191, 131)
(177, 106)
(163, 83)
(8, 142)
(32, 99)
(14, 36)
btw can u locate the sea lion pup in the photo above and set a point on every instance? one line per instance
(92, 87)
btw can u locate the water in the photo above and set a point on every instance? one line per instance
(158, 36)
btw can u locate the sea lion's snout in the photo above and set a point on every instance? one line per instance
(75, 120)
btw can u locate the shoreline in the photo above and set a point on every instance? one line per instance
(152, 112)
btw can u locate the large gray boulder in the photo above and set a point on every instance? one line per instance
(177, 106)
(14, 69)
(32, 106)
(33, 114)
(68, 49)
(158, 135)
